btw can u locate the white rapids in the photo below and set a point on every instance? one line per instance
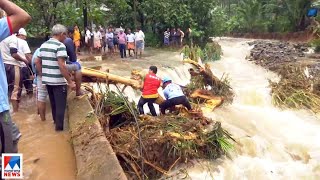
(272, 143)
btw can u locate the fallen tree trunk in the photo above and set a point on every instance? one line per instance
(201, 78)
(205, 71)
(92, 73)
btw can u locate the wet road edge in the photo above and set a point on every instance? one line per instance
(94, 155)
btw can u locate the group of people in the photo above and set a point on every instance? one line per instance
(101, 40)
(15, 19)
(53, 67)
(174, 37)
(173, 93)
(50, 68)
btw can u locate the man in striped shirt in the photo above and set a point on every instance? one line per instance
(54, 73)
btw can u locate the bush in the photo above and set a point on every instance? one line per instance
(316, 44)
(153, 40)
(211, 52)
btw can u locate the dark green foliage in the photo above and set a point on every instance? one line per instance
(153, 40)
(206, 18)
(316, 44)
(211, 52)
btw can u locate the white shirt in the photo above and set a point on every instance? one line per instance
(23, 49)
(88, 34)
(130, 38)
(97, 35)
(5, 45)
(139, 36)
(109, 36)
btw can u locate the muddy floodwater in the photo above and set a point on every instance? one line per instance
(47, 155)
(272, 143)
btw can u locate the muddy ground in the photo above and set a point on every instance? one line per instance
(123, 67)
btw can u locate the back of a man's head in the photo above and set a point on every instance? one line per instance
(70, 30)
(154, 69)
(58, 29)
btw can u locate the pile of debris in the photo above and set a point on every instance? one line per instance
(152, 146)
(203, 80)
(271, 54)
(296, 89)
(299, 86)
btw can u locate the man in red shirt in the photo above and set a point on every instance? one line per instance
(150, 88)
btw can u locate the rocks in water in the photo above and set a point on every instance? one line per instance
(272, 53)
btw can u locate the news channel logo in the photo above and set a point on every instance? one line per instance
(12, 166)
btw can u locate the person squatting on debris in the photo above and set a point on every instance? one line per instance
(150, 86)
(55, 74)
(9, 132)
(174, 96)
(73, 65)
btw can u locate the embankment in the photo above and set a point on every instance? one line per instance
(302, 36)
(95, 158)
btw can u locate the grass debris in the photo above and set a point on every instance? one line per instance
(149, 147)
(295, 89)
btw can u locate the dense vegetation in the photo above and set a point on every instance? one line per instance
(205, 17)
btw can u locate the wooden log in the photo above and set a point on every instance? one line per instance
(88, 72)
(210, 78)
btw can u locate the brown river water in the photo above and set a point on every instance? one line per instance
(48, 155)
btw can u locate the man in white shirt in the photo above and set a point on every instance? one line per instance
(12, 60)
(25, 52)
(87, 39)
(130, 40)
(139, 39)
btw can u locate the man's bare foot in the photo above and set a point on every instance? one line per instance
(80, 95)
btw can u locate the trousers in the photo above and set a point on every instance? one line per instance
(58, 101)
(150, 102)
(175, 101)
(122, 48)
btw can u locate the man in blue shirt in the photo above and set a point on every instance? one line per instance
(174, 96)
(73, 65)
(16, 19)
